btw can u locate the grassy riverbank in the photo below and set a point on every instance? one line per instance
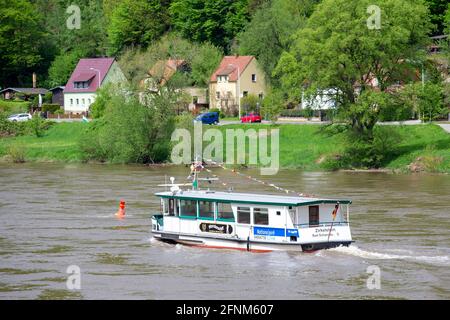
(301, 146)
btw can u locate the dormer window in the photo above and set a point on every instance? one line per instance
(81, 84)
(223, 78)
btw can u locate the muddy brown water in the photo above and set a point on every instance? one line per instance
(53, 216)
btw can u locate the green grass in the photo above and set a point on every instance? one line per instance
(304, 146)
(301, 146)
(60, 144)
(422, 141)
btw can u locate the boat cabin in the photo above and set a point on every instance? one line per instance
(253, 217)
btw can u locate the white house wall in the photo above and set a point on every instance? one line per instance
(78, 102)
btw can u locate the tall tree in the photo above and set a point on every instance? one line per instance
(437, 15)
(269, 33)
(137, 23)
(215, 21)
(22, 42)
(343, 48)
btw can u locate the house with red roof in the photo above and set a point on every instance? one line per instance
(236, 77)
(89, 75)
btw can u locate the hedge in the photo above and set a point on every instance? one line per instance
(50, 107)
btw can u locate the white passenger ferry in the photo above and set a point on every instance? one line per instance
(252, 222)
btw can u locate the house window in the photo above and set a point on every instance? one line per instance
(218, 94)
(261, 216)
(224, 211)
(71, 102)
(206, 209)
(81, 84)
(313, 216)
(253, 77)
(243, 215)
(245, 93)
(261, 96)
(78, 102)
(194, 99)
(188, 208)
(89, 101)
(82, 101)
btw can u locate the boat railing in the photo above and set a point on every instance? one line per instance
(322, 224)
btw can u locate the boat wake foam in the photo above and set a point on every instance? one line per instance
(357, 252)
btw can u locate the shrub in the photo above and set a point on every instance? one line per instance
(221, 114)
(50, 107)
(37, 125)
(303, 113)
(17, 153)
(371, 152)
(11, 107)
(272, 106)
(130, 132)
(250, 103)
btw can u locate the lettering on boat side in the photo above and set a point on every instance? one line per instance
(216, 228)
(324, 232)
(275, 232)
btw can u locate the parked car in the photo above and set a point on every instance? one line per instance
(252, 117)
(208, 118)
(19, 117)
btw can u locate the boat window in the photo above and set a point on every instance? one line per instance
(261, 216)
(313, 216)
(188, 208)
(224, 211)
(165, 206)
(243, 215)
(206, 209)
(171, 207)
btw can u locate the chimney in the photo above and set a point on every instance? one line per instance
(34, 80)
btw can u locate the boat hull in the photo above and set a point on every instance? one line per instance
(243, 244)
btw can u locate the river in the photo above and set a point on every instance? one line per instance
(54, 216)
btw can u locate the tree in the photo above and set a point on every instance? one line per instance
(214, 21)
(437, 15)
(269, 33)
(22, 41)
(63, 66)
(337, 49)
(201, 59)
(137, 23)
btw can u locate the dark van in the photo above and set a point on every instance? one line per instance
(208, 118)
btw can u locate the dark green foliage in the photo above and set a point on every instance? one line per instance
(214, 21)
(137, 23)
(271, 30)
(23, 42)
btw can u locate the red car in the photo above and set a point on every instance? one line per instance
(252, 117)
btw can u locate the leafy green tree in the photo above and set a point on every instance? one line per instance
(130, 132)
(201, 59)
(272, 105)
(250, 103)
(63, 66)
(431, 102)
(437, 15)
(215, 21)
(137, 23)
(22, 41)
(337, 49)
(269, 33)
